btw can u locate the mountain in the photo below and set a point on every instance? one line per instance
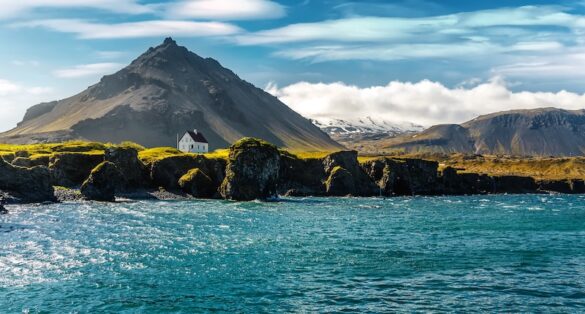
(538, 132)
(358, 133)
(164, 92)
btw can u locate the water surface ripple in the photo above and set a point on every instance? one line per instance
(455, 254)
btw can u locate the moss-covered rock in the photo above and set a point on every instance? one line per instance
(340, 182)
(135, 173)
(71, 169)
(364, 185)
(32, 161)
(102, 183)
(198, 184)
(167, 171)
(252, 171)
(301, 177)
(29, 185)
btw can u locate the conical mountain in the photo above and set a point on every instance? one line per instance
(164, 92)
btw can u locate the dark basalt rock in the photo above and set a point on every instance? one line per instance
(514, 185)
(404, 176)
(364, 185)
(166, 172)
(301, 177)
(562, 186)
(31, 162)
(252, 171)
(454, 183)
(197, 184)
(71, 169)
(29, 185)
(135, 173)
(340, 183)
(102, 183)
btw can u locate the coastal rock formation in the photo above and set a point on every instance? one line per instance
(197, 184)
(33, 161)
(454, 183)
(252, 171)
(404, 177)
(514, 185)
(102, 183)
(134, 172)
(301, 177)
(71, 169)
(348, 161)
(167, 171)
(340, 183)
(28, 185)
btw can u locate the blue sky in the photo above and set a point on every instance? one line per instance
(531, 51)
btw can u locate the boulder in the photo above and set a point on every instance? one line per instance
(252, 171)
(404, 177)
(340, 183)
(102, 183)
(135, 174)
(198, 184)
(301, 177)
(364, 185)
(167, 171)
(28, 185)
(71, 169)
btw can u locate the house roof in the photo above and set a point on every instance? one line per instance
(197, 137)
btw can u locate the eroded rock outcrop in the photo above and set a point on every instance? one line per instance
(340, 183)
(28, 185)
(362, 185)
(404, 177)
(197, 184)
(252, 171)
(71, 169)
(102, 183)
(134, 172)
(29, 162)
(301, 177)
(167, 171)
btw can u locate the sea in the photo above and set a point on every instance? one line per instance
(475, 254)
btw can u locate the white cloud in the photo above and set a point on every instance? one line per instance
(84, 70)
(155, 28)
(7, 87)
(16, 98)
(395, 29)
(426, 103)
(226, 9)
(12, 8)
(32, 63)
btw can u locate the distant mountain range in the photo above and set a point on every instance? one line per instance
(354, 132)
(166, 91)
(538, 132)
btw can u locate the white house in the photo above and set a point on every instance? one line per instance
(193, 142)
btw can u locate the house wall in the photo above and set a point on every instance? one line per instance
(187, 145)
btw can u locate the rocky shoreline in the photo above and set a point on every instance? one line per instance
(253, 170)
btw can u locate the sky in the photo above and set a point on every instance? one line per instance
(420, 61)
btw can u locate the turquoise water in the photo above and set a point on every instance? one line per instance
(491, 254)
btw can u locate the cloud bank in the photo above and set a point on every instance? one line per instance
(426, 102)
(84, 70)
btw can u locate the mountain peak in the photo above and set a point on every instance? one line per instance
(169, 41)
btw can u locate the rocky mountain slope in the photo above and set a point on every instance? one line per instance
(166, 91)
(538, 132)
